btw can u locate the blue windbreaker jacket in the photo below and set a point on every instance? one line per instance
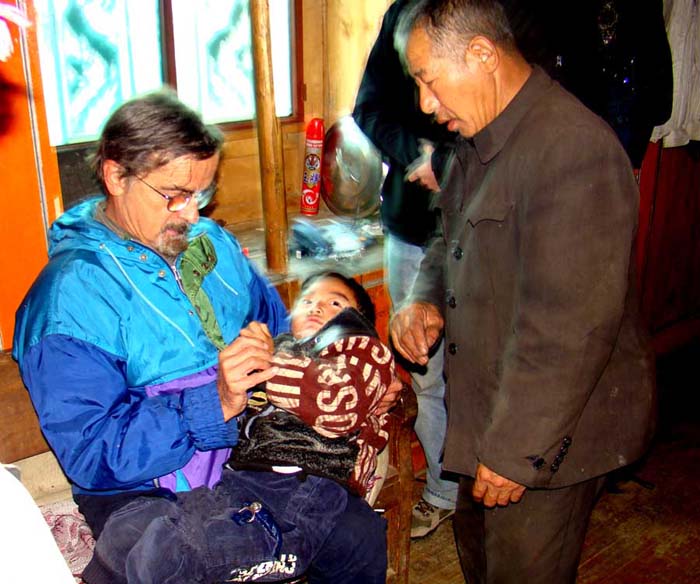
(117, 361)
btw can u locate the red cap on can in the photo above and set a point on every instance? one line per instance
(314, 131)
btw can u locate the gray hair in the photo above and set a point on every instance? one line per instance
(452, 24)
(150, 131)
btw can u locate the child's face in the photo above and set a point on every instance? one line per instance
(320, 302)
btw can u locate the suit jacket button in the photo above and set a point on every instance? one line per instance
(452, 302)
(458, 253)
(452, 348)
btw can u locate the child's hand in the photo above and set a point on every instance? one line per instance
(390, 398)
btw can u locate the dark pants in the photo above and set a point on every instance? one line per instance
(325, 532)
(537, 540)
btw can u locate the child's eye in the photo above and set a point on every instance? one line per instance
(337, 303)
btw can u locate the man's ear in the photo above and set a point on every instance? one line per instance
(482, 54)
(115, 183)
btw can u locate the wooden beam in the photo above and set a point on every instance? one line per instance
(269, 141)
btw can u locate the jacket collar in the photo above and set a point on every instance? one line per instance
(491, 140)
(83, 227)
(347, 323)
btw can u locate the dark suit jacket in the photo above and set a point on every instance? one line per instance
(549, 372)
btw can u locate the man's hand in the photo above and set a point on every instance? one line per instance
(414, 329)
(391, 396)
(423, 173)
(242, 365)
(259, 331)
(492, 489)
(421, 169)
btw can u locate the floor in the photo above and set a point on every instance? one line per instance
(646, 528)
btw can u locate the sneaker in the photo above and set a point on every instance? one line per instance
(427, 517)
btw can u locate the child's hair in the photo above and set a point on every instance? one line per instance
(365, 306)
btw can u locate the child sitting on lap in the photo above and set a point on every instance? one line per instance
(317, 414)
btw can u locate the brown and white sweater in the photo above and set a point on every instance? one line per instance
(333, 383)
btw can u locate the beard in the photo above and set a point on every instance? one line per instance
(172, 240)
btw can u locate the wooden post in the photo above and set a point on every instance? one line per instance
(269, 141)
(350, 28)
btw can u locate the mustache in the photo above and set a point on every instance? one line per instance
(179, 228)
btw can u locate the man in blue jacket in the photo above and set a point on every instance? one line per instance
(129, 345)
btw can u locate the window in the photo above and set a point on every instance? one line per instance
(95, 54)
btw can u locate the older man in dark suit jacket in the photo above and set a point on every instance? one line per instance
(549, 372)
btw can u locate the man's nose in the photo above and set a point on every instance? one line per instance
(191, 212)
(429, 104)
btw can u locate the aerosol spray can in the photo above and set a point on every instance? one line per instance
(311, 183)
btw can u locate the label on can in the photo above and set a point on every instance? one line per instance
(311, 180)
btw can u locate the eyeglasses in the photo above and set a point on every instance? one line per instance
(177, 203)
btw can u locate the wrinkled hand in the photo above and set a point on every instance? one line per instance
(414, 329)
(423, 173)
(242, 365)
(421, 169)
(390, 398)
(259, 331)
(492, 489)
